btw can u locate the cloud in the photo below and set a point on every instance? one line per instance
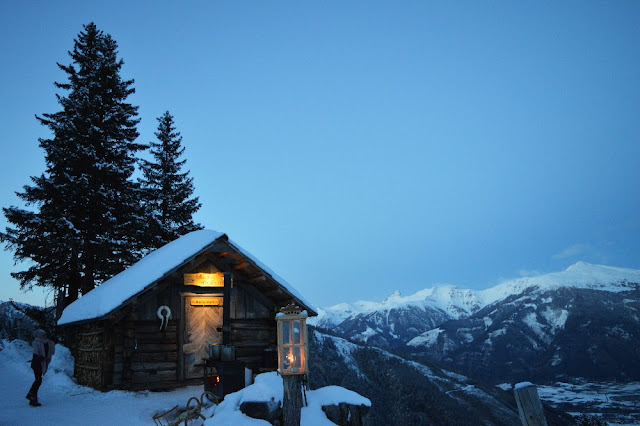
(572, 251)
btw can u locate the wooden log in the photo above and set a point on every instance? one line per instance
(155, 357)
(91, 333)
(158, 347)
(252, 324)
(153, 366)
(529, 405)
(155, 328)
(292, 400)
(241, 337)
(88, 367)
(143, 339)
(143, 378)
(250, 350)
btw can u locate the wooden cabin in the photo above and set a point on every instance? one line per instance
(150, 326)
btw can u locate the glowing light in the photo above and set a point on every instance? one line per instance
(292, 341)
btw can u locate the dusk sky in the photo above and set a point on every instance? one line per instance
(357, 148)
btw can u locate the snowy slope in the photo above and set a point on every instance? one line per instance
(579, 275)
(588, 330)
(404, 391)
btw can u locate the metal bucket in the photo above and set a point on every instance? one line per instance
(214, 352)
(228, 353)
(270, 358)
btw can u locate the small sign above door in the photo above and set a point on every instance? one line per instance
(205, 301)
(203, 279)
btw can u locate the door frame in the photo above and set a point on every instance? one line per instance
(184, 296)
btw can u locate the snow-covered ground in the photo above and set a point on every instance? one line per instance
(66, 403)
(617, 403)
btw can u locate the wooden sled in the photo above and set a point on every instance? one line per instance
(173, 416)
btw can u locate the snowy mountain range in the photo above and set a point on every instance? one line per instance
(580, 322)
(456, 302)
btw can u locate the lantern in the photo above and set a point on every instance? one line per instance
(292, 340)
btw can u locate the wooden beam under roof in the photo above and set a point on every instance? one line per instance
(241, 265)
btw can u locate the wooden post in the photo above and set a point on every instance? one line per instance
(529, 405)
(226, 309)
(292, 399)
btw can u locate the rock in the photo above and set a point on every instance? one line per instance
(270, 411)
(345, 414)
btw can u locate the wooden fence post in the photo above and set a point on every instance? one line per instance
(292, 399)
(529, 405)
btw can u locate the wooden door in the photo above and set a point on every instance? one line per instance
(201, 330)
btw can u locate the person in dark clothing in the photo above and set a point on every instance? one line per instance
(43, 350)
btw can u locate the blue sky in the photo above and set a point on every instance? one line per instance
(362, 147)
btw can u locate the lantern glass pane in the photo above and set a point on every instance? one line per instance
(286, 339)
(297, 355)
(296, 332)
(289, 359)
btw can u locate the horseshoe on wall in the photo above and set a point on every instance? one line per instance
(164, 313)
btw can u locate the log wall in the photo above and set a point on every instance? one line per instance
(251, 337)
(130, 352)
(145, 357)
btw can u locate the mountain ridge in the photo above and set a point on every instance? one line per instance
(456, 302)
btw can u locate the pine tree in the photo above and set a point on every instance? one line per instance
(87, 225)
(168, 192)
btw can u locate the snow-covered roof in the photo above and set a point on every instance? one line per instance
(150, 269)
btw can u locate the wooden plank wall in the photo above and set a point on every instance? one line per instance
(168, 296)
(253, 328)
(244, 305)
(250, 338)
(145, 357)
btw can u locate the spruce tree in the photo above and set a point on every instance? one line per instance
(168, 191)
(86, 225)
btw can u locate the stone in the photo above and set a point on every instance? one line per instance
(270, 411)
(345, 414)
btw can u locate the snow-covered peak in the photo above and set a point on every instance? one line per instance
(579, 275)
(449, 299)
(392, 297)
(458, 302)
